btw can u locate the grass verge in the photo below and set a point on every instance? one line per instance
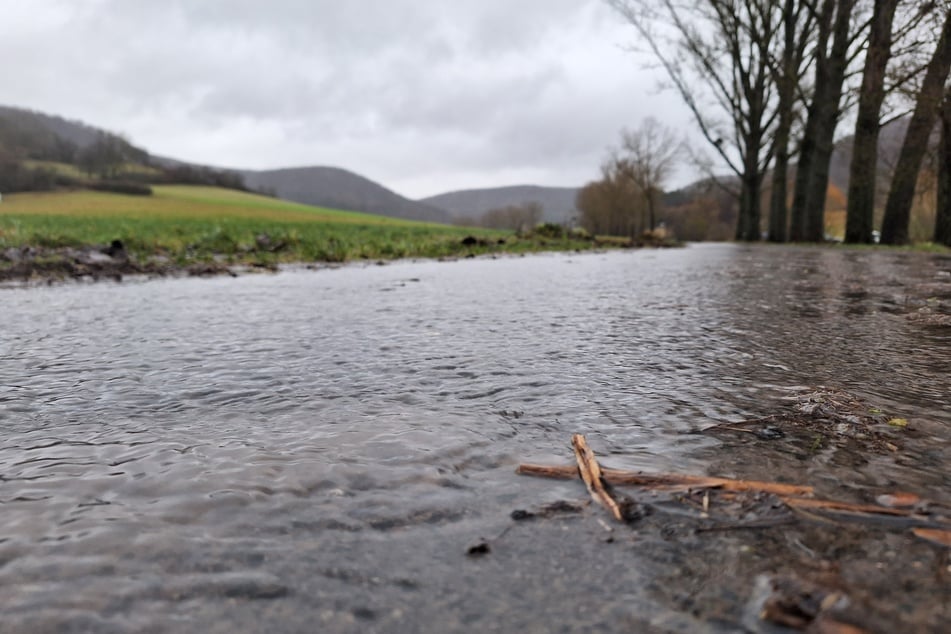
(184, 226)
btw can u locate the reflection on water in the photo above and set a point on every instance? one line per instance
(317, 448)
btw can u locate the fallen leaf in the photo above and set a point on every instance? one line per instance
(898, 422)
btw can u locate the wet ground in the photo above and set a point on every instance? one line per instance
(35, 266)
(322, 450)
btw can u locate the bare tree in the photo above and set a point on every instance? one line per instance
(714, 55)
(521, 217)
(896, 57)
(927, 103)
(649, 154)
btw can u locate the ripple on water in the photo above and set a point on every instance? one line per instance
(192, 442)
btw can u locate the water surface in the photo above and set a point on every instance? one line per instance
(316, 450)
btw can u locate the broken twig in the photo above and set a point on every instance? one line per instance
(620, 476)
(796, 497)
(591, 474)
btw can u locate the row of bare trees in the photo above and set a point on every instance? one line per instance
(770, 81)
(521, 217)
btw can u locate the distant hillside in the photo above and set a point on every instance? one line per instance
(890, 140)
(34, 135)
(558, 202)
(31, 122)
(340, 189)
(41, 152)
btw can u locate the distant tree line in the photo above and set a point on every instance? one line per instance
(769, 81)
(108, 156)
(199, 175)
(17, 177)
(22, 137)
(520, 217)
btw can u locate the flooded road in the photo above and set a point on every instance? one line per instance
(316, 451)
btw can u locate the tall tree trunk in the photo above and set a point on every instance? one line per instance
(827, 113)
(651, 208)
(779, 191)
(755, 211)
(748, 224)
(748, 227)
(807, 146)
(942, 223)
(780, 188)
(787, 80)
(807, 152)
(864, 167)
(902, 192)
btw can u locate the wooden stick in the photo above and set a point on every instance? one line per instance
(935, 535)
(795, 496)
(619, 476)
(832, 505)
(591, 474)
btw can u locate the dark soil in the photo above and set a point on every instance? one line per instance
(39, 265)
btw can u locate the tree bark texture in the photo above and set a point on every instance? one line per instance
(786, 83)
(902, 192)
(827, 111)
(807, 145)
(942, 225)
(863, 170)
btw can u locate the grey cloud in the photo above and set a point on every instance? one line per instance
(400, 89)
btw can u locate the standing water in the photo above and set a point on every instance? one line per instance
(316, 451)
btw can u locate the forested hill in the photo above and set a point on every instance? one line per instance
(27, 134)
(558, 203)
(42, 152)
(340, 189)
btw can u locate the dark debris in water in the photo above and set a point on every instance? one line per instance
(558, 508)
(799, 603)
(820, 564)
(827, 416)
(769, 433)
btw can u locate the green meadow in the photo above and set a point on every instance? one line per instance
(188, 224)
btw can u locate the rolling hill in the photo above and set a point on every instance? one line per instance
(558, 203)
(31, 131)
(33, 139)
(340, 189)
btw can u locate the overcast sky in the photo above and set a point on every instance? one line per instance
(423, 96)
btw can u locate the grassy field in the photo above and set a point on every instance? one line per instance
(187, 224)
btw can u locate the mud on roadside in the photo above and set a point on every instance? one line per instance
(46, 265)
